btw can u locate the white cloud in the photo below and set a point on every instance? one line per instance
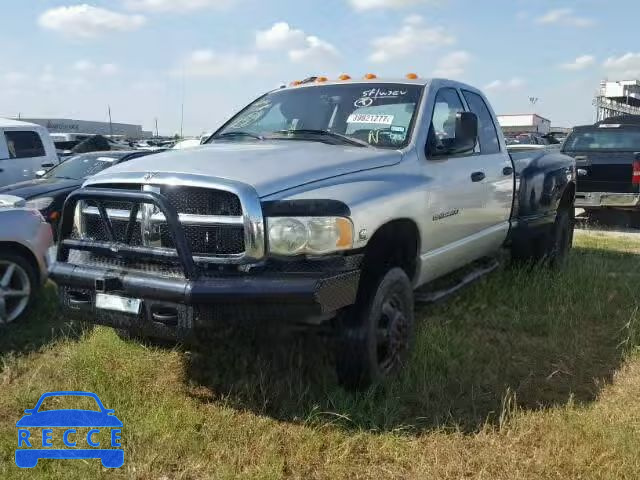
(109, 69)
(315, 51)
(280, 36)
(83, 66)
(86, 21)
(207, 63)
(86, 67)
(13, 78)
(626, 66)
(565, 16)
(412, 37)
(176, 5)
(452, 65)
(384, 4)
(580, 63)
(502, 85)
(300, 47)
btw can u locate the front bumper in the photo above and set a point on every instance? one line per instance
(604, 199)
(174, 307)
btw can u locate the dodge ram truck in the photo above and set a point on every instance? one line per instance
(322, 203)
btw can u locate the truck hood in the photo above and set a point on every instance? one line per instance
(269, 166)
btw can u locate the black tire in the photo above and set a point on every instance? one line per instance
(552, 248)
(561, 240)
(24, 276)
(378, 333)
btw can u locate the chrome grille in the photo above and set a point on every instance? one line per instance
(212, 220)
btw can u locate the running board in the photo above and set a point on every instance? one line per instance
(424, 295)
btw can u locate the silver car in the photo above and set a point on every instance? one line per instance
(25, 238)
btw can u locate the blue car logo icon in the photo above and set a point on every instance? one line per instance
(37, 429)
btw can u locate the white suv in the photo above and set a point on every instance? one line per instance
(25, 149)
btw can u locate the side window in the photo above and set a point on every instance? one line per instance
(487, 133)
(24, 144)
(443, 122)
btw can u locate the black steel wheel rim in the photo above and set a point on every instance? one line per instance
(392, 333)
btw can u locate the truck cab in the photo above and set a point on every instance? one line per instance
(25, 149)
(321, 203)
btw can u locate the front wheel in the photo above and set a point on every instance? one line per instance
(378, 333)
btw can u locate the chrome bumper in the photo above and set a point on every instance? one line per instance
(604, 199)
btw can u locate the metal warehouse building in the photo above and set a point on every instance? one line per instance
(65, 125)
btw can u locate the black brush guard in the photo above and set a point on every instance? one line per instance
(310, 293)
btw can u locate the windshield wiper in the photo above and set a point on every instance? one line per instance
(239, 134)
(325, 133)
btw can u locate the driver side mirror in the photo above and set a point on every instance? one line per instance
(464, 140)
(40, 173)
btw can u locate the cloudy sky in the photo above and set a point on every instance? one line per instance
(142, 57)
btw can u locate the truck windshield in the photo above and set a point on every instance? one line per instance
(619, 139)
(376, 114)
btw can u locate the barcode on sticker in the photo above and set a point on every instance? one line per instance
(369, 118)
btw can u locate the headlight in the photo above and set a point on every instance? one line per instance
(39, 203)
(309, 235)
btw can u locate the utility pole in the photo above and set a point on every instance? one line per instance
(110, 123)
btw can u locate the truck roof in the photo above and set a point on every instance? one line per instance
(423, 82)
(10, 123)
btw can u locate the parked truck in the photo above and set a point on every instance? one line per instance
(323, 203)
(608, 161)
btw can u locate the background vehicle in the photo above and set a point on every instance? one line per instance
(48, 193)
(608, 159)
(66, 142)
(25, 149)
(25, 238)
(326, 201)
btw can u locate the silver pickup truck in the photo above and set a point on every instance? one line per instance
(324, 203)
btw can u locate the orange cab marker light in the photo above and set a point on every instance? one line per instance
(370, 76)
(344, 77)
(412, 76)
(322, 79)
(295, 83)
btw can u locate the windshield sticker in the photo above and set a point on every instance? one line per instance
(363, 102)
(376, 93)
(368, 118)
(106, 159)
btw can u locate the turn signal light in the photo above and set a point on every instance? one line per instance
(370, 76)
(635, 179)
(412, 76)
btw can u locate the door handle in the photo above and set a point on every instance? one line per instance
(478, 177)
(507, 171)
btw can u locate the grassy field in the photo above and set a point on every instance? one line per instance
(525, 375)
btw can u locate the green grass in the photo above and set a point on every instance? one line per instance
(524, 375)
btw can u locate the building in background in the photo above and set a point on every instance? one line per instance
(525, 123)
(615, 99)
(65, 125)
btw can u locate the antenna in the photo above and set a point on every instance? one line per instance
(533, 101)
